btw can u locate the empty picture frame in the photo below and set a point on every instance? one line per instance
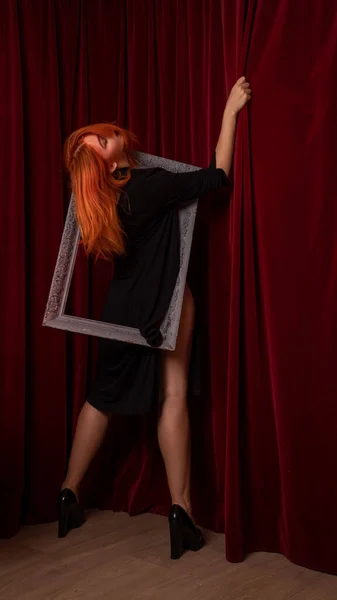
(55, 316)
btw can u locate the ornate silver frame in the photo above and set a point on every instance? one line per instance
(55, 316)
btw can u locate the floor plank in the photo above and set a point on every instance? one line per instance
(117, 557)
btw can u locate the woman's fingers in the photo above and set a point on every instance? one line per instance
(246, 88)
(240, 94)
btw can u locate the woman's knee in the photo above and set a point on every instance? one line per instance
(174, 403)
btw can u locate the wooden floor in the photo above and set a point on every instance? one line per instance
(121, 558)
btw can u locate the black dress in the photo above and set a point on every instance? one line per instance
(126, 380)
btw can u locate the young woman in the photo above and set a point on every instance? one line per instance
(131, 215)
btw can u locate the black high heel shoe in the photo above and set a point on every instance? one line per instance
(184, 534)
(70, 514)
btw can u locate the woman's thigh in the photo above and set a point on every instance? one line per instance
(175, 365)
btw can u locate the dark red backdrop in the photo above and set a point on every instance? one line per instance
(264, 270)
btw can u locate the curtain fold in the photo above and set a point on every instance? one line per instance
(12, 273)
(263, 267)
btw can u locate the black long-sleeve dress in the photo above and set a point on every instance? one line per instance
(126, 380)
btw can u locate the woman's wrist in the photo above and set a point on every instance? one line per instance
(230, 114)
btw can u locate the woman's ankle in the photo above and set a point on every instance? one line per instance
(186, 505)
(70, 485)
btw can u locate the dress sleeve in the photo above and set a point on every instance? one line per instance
(165, 189)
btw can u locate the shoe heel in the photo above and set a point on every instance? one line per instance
(70, 515)
(63, 523)
(176, 536)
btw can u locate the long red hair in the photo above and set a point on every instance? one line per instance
(96, 190)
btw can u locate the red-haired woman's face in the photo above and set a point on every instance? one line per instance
(110, 148)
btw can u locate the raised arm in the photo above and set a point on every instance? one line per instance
(160, 188)
(238, 98)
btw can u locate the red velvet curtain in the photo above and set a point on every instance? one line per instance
(264, 267)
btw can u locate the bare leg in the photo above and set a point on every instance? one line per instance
(173, 424)
(90, 433)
